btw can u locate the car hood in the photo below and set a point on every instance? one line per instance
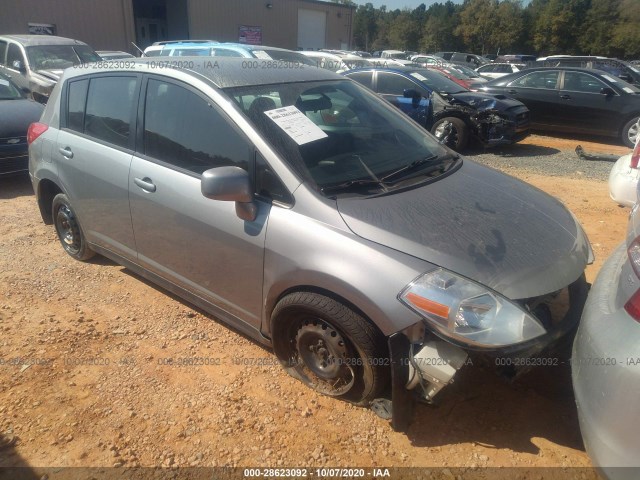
(16, 115)
(51, 75)
(485, 101)
(482, 224)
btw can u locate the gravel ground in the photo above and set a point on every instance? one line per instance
(92, 384)
(542, 160)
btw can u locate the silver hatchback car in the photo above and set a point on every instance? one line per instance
(303, 210)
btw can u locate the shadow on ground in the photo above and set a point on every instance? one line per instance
(13, 186)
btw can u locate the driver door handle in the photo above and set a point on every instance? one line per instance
(145, 183)
(565, 97)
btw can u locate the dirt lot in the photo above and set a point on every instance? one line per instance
(99, 394)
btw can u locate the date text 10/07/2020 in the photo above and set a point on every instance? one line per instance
(323, 472)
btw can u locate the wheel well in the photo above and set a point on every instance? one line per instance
(319, 291)
(628, 119)
(46, 191)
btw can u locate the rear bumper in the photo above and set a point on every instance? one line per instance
(623, 181)
(606, 375)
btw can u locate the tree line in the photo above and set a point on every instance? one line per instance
(542, 27)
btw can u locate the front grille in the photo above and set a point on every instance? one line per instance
(13, 141)
(550, 309)
(14, 163)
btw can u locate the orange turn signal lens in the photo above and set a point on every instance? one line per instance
(427, 305)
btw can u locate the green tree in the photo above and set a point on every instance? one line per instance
(626, 35)
(598, 28)
(509, 26)
(438, 32)
(557, 26)
(404, 32)
(478, 22)
(365, 26)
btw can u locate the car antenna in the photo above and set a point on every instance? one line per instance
(139, 49)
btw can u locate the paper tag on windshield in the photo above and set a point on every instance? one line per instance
(261, 54)
(4, 82)
(422, 78)
(296, 124)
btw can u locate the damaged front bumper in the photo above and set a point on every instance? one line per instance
(495, 127)
(423, 363)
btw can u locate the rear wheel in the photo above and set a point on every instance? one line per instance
(454, 129)
(69, 230)
(630, 132)
(329, 347)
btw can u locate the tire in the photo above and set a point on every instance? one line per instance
(68, 229)
(630, 132)
(330, 348)
(459, 136)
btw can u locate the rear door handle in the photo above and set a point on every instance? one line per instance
(512, 92)
(66, 152)
(145, 183)
(565, 97)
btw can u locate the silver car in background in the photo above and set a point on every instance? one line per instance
(305, 211)
(606, 361)
(35, 62)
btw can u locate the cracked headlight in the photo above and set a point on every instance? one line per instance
(468, 312)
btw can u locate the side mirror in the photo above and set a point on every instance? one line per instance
(17, 64)
(607, 91)
(411, 93)
(230, 184)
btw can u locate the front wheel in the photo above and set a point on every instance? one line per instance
(69, 230)
(329, 347)
(630, 132)
(453, 131)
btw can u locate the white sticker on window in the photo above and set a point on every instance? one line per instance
(607, 77)
(262, 54)
(628, 90)
(296, 124)
(420, 77)
(4, 82)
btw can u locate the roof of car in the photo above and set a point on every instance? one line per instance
(225, 71)
(31, 40)
(246, 46)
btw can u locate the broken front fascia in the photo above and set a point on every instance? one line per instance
(484, 120)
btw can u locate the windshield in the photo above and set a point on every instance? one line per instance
(59, 57)
(8, 90)
(467, 71)
(283, 56)
(340, 137)
(436, 81)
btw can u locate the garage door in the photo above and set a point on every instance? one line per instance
(312, 26)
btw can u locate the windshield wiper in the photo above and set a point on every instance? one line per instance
(408, 167)
(383, 182)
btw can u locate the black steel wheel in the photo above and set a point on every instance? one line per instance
(329, 347)
(69, 230)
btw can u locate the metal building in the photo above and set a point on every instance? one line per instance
(114, 24)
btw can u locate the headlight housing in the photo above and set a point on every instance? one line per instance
(468, 312)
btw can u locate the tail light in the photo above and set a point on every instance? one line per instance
(633, 304)
(35, 130)
(635, 156)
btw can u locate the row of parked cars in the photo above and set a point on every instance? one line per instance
(389, 259)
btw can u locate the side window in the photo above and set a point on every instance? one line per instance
(392, 84)
(267, 183)
(364, 78)
(221, 52)
(110, 104)
(3, 51)
(14, 55)
(76, 101)
(582, 82)
(184, 130)
(546, 80)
